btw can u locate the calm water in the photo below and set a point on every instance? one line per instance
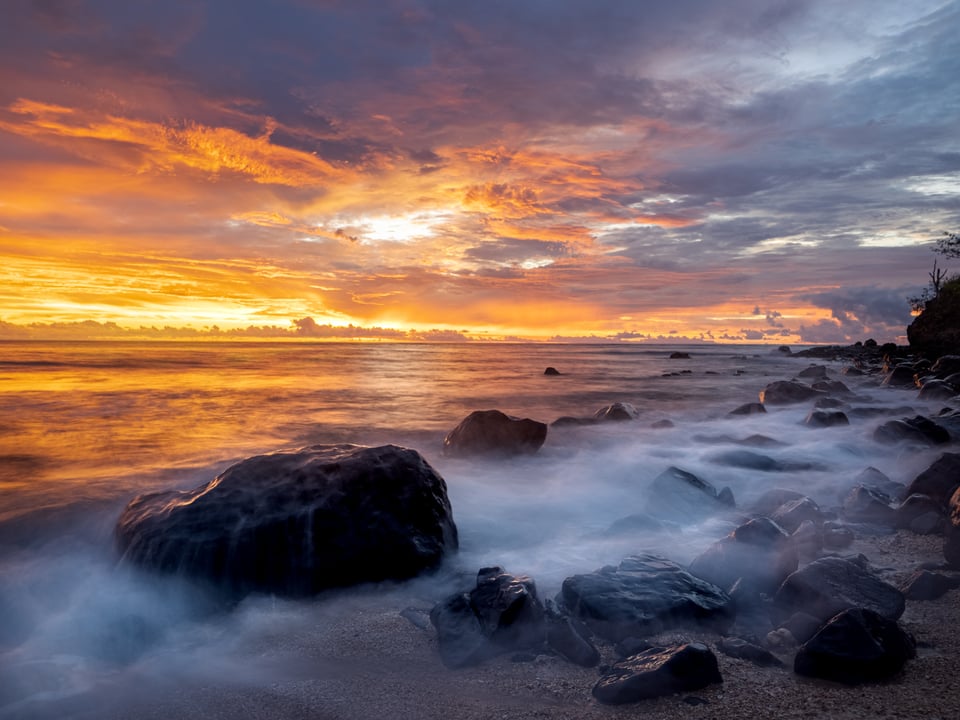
(84, 427)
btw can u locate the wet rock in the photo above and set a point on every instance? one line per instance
(946, 365)
(915, 506)
(681, 496)
(748, 409)
(939, 480)
(551, 371)
(808, 540)
(793, 513)
(828, 403)
(657, 672)
(900, 376)
(679, 356)
(773, 498)
(802, 626)
(851, 371)
(571, 641)
(759, 553)
(926, 585)
(500, 614)
(662, 424)
(823, 419)
(644, 595)
(571, 421)
(491, 432)
(787, 392)
(830, 585)
(756, 461)
(813, 372)
(617, 412)
(865, 504)
(916, 429)
(834, 387)
(872, 477)
(856, 646)
(743, 650)
(937, 390)
(837, 537)
(296, 523)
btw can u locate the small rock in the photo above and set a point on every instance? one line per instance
(617, 412)
(749, 409)
(659, 671)
(926, 585)
(551, 371)
(823, 419)
(743, 650)
(492, 432)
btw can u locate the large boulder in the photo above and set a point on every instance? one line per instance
(939, 480)
(298, 522)
(787, 392)
(644, 595)
(501, 613)
(758, 553)
(492, 432)
(830, 585)
(658, 671)
(856, 646)
(865, 504)
(680, 496)
(918, 429)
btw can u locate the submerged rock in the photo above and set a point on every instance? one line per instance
(298, 522)
(865, 504)
(680, 496)
(492, 432)
(749, 409)
(823, 419)
(617, 412)
(658, 671)
(856, 646)
(644, 595)
(917, 429)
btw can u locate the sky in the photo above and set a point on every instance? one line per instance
(736, 170)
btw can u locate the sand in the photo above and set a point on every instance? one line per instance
(362, 659)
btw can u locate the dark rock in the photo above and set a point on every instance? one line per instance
(851, 371)
(915, 506)
(748, 409)
(829, 585)
(783, 350)
(645, 595)
(551, 371)
(661, 424)
(866, 412)
(569, 420)
(802, 626)
(930, 523)
(937, 390)
(756, 461)
(856, 646)
(793, 513)
(946, 365)
(828, 403)
(814, 371)
(681, 496)
(916, 429)
(298, 522)
(743, 650)
(759, 552)
(679, 356)
(834, 387)
(869, 505)
(657, 672)
(617, 412)
(501, 614)
(631, 646)
(773, 498)
(786, 392)
(936, 330)
(822, 419)
(900, 376)
(926, 585)
(492, 432)
(874, 478)
(569, 641)
(939, 480)
(808, 540)
(837, 537)
(951, 545)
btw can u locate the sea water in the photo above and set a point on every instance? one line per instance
(85, 427)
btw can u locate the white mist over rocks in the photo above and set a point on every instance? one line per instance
(84, 636)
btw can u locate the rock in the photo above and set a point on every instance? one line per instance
(808, 540)
(636, 523)
(851, 371)
(951, 546)
(780, 639)
(939, 480)
(787, 392)
(856, 646)
(865, 504)
(926, 585)
(834, 387)
(757, 461)
(773, 498)
(837, 537)
(822, 419)
(916, 429)
(295, 523)
(631, 646)
(872, 477)
(782, 350)
(915, 506)
(829, 585)
(570, 642)
(658, 671)
(743, 650)
(679, 356)
(814, 371)
(551, 371)
(680, 496)
(661, 424)
(492, 432)
(748, 409)
(759, 553)
(617, 412)
(571, 421)
(793, 513)
(644, 595)
(937, 390)
(828, 403)
(900, 376)
(501, 614)
(802, 626)
(930, 523)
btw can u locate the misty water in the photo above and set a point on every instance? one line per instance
(85, 427)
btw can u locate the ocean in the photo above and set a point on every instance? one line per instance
(85, 427)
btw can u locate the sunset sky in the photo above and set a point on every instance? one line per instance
(737, 170)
